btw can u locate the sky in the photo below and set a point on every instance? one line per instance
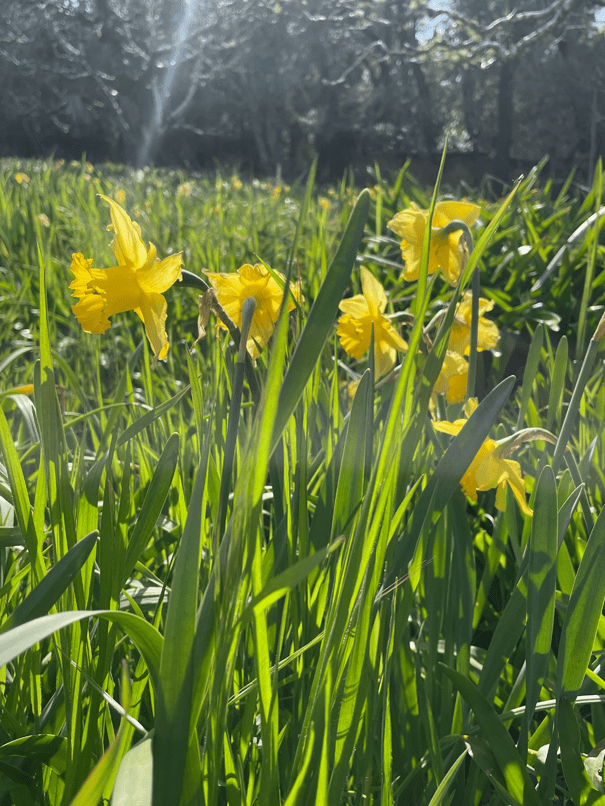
(427, 30)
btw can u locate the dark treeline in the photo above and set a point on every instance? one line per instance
(270, 84)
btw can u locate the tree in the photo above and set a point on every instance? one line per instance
(495, 37)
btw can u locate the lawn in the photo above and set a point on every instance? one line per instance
(340, 544)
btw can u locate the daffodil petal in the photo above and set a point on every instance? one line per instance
(463, 211)
(409, 224)
(356, 306)
(390, 336)
(384, 359)
(127, 244)
(160, 276)
(152, 311)
(449, 428)
(373, 292)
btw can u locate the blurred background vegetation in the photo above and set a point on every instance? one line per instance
(269, 85)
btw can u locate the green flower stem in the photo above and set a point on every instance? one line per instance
(472, 359)
(456, 225)
(248, 309)
(208, 303)
(191, 280)
(576, 397)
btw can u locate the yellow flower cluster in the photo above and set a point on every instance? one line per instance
(139, 280)
(366, 311)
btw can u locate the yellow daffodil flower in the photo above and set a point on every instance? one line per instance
(444, 251)
(460, 335)
(453, 378)
(488, 470)
(233, 288)
(135, 284)
(355, 327)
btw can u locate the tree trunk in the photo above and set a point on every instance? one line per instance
(469, 107)
(428, 127)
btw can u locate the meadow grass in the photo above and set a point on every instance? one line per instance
(231, 584)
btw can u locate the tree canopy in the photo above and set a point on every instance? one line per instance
(276, 82)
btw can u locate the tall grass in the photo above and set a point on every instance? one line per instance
(215, 598)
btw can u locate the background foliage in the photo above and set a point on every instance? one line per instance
(268, 85)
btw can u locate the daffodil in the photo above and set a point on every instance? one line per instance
(135, 284)
(489, 469)
(355, 326)
(26, 389)
(445, 250)
(252, 281)
(460, 335)
(453, 378)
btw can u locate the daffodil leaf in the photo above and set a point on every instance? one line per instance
(46, 747)
(144, 635)
(583, 613)
(442, 793)
(321, 317)
(150, 417)
(541, 583)
(530, 372)
(172, 725)
(518, 783)
(134, 781)
(100, 780)
(576, 777)
(152, 504)
(48, 591)
(302, 216)
(511, 624)
(453, 465)
(465, 446)
(557, 383)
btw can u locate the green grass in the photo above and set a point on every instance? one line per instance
(211, 599)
